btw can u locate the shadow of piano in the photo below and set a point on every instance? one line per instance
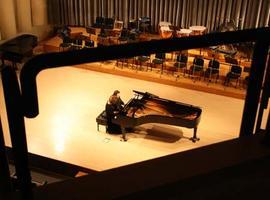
(158, 132)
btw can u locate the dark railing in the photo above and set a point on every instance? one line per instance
(5, 183)
(23, 101)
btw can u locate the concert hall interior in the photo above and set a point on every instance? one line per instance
(194, 79)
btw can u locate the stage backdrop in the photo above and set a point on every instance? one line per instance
(181, 13)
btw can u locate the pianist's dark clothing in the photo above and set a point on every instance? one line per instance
(119, 103)
(110, 112)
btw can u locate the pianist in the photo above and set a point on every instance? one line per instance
(119, 103)
(111, 111)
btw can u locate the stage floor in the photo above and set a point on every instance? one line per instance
(71, 98)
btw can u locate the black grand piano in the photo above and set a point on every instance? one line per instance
(17, 49)
(148, 108)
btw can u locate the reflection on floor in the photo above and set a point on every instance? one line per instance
(71, 98)
(160, 133)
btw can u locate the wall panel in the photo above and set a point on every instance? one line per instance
(182, 13)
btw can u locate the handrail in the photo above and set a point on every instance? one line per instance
(123, 182)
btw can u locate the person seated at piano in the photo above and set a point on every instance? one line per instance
(111, 111)
(119, 103)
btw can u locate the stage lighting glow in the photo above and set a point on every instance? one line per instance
(61, 131)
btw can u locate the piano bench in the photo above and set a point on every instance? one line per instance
(102, 120)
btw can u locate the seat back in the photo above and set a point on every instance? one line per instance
(214, 64)
(89, 43)
(77, 41)
(124, 34)
(144, 24)
(182, 58)
(100, 20)
(67, 40)
(236, 69)
(161, 56)
(132, 24)
(198, 61)
(109, 23)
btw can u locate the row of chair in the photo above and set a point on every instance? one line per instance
(212, 71)
(195, 71)
(75, 43)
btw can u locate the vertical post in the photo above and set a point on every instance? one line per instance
(267, 89)
(265, 96)
(15, 115)
(268, 124)
(266, 139)
(254, 87)
(5, 183)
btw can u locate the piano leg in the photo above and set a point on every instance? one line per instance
(194, 138)
(123, 130)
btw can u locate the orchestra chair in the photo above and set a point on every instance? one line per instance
(77, 44)
(102, 33)
(124, 61)
(233, 74)
(121, 61)
(124, 36)
(132, 24)
(142, 60)
(89, 43)
(181, 65)
(100, 22)
(144, 24)
(196, 69)
(212, 70)
(108, 23)
(133, 36)
(246, 79)
(103, 39)
(66, 43)
(159, 60)
(63, 31)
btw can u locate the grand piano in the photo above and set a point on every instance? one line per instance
(17, 49)
(148, 108)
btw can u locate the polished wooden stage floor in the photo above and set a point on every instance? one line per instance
(70, 99)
